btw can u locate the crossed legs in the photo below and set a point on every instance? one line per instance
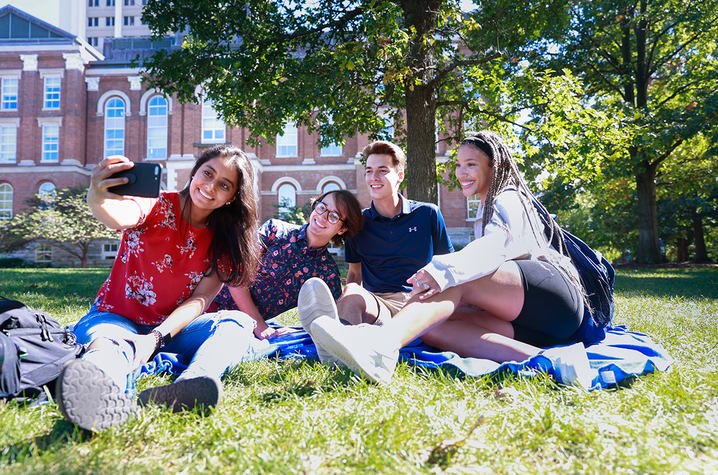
(484, 332)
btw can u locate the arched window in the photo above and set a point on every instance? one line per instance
(115, 127)
(287, 198)
(46, 188)
(330, 186)
(5, 201)
(287, 142)
(213, 128)
(46, 192)
(157, 128)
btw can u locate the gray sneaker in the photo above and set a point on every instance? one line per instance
(202, 393)
(316, 300)
(356, 346)
(88, 398)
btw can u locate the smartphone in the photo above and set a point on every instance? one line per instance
(145, 179)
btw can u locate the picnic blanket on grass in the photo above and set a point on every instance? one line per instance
(621, 355)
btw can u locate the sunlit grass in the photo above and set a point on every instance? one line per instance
(297, 416)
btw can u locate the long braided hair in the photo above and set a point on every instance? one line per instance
(505, 174)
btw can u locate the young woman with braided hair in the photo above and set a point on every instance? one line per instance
(503, 297)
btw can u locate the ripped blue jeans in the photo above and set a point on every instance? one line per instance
(215, 343)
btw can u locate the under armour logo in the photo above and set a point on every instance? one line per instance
(412, 229)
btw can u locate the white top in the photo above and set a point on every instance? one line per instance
(508, 236)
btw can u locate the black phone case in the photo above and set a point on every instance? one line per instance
(144, 181)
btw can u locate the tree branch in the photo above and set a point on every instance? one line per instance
(456, 64)
(349, 16)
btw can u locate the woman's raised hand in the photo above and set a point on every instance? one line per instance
(114, 211)
(423, 285)
(101, 178)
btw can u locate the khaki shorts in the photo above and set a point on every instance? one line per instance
(392, 301)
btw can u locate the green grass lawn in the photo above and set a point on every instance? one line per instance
(300, 417)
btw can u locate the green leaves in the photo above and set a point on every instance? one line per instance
(63, 219)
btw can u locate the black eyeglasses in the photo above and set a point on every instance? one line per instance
(332, 217)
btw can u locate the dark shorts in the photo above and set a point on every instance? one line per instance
(553, 306)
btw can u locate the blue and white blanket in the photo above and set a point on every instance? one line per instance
(621, 355)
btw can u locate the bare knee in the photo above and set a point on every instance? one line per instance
(357, 305)
(353, 289)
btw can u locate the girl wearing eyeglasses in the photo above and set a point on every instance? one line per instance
(292, 254)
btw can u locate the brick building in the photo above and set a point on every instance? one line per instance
(64, 106)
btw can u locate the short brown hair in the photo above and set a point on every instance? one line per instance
(382, 147)
(349, 208)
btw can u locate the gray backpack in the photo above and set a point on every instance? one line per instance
(33, 350)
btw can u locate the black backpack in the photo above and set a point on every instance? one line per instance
(33, 350)
(597, 277)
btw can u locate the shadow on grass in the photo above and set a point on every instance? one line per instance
(666, 283)
(61, 434)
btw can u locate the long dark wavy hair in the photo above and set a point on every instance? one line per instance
(235, 249)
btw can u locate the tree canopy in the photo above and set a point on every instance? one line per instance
(352, 67)
(650, 67)
(595, 93)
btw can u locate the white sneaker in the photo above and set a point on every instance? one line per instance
(572, 365)
(316, 300)
(357, 346)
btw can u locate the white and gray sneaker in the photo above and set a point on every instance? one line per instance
(316, 300)
(357, 346)
(572, 365)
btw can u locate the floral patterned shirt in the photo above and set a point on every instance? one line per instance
(158, 265)
(287, 262)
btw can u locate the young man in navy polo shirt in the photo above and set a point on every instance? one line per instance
(399, 237)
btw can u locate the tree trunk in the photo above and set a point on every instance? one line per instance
(701, 253)
(649, 249)
(681, 250)
(421, 15)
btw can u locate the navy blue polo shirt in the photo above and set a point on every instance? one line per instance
(391, 250)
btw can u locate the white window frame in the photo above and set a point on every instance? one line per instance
(8, 131)
(214, 129)
(388, 132)
(114, 123)
(50, 143)
(330, 186)
(472, 206)
(109, 251)
(9, 92)
(48, 97)
(6, 196)
(43, 249)
(287, 142)
(47, 188)
(288, 191)
(333, 149)
(157, 127)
